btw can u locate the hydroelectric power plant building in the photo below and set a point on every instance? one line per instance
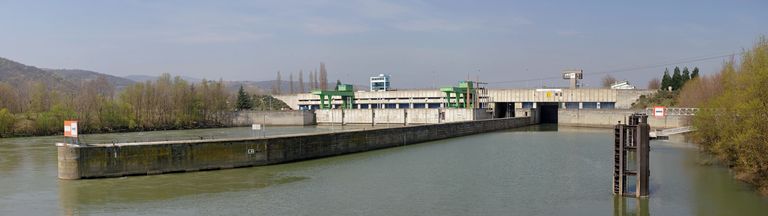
(496, 103)
(498, 100)
(521, 98)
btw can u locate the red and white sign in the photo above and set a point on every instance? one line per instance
(659, 111)
(70, 128)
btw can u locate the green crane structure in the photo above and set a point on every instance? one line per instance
(345, 91)
(463, 96)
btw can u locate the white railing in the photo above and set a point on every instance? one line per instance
(674, 111)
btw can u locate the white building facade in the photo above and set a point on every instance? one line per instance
(380, 83)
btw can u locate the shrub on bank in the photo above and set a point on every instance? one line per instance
(733, 123)
(6, 122)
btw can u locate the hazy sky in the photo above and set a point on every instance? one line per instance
(420, 43)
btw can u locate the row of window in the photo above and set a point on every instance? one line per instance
(378, 106)
(526, 105)
(584, 105)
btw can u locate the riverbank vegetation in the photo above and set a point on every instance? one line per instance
(733, 121)
(166, 103)
(670, 88)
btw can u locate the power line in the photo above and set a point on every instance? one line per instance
(623, 70)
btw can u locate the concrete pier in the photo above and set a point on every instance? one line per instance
(115, 160)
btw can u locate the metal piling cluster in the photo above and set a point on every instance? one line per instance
(631, 147)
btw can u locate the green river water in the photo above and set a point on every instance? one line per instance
(537, 170)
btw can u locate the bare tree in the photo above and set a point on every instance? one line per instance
(276, 86)
(317, 83)
(698, 91)
(279, 82)
(312, 80)
(654, 83)
(290, 83)
(9, 98)
(323, 77)
(608, 80)
(301, 82)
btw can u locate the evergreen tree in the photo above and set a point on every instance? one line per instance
(338, 83)
(677, 79)
(666, 81)
(243, 100)
(686, 76)
(695, 73)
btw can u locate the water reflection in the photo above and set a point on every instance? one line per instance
(524, 173)
(539, 128)
(10, 158)
(75, 196)
(629, 206)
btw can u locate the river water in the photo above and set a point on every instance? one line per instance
(537, 170)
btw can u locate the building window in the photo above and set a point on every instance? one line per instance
(589, 105)
(527, 105)
(607, 105)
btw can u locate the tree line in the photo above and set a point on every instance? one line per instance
(247, 101)
(165, 103)
(733, 120)
(318, 79)
(670, 86)
(677, 79)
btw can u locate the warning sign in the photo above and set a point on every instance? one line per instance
(70, 128)
(659, 111)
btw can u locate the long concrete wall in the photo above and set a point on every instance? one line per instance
(114, 160)
(609, 118)
(622, 98)
(399, 116)
(287, 117)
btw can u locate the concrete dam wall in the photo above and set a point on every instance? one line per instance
(114, 160)
(276, 117)
(609, 118)
(399, 116)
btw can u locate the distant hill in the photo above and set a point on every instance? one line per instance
(144, 78)
(18, 75)
(257, 87)
(285, 86)
(76, 76)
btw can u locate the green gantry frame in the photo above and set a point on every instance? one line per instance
(346, 92)
(461, 96)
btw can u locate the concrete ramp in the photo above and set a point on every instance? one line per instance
(672, 131)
